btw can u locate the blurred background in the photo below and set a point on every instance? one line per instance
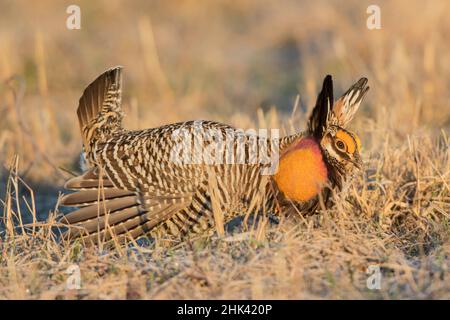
(240, 62)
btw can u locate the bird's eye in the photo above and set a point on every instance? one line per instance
(340, 145)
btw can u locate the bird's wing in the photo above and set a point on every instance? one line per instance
(104, 211)
(138, 183)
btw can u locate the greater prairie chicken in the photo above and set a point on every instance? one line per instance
(135, 186)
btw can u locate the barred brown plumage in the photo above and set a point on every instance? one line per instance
(138, 184)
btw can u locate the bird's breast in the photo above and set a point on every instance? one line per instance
(302, 172)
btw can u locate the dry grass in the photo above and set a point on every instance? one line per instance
(233, 62)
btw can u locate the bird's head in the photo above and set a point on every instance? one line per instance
(329, 152)
(340, 147)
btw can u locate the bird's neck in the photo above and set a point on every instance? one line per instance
(302, 172)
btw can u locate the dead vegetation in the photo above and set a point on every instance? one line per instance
(181, 63)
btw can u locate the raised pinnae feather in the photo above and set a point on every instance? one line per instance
(320, 114)
(345, 107)
(326, 112)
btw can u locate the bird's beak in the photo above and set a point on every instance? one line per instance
(357, 161)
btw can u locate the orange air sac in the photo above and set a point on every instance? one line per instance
(302, 172)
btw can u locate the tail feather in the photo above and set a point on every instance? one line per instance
(99, 110)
